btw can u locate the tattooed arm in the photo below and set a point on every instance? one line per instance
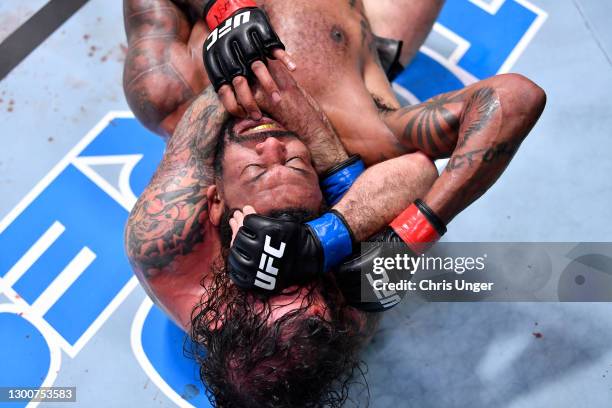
(163, 70)
(480, 127)
(168, 237)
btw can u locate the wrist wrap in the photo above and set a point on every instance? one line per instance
(335, 237)
(339, 179)
(419, 227)
(217, 11)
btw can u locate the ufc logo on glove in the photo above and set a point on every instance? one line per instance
(266, 275)
(230, 24)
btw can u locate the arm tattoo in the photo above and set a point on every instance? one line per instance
(500, 151)
(432, 124)
(153, 86)
(447, 122)
(483, 104)
(171, 217)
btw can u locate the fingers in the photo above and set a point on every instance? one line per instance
(234, 226)
(236, 223)
(228, 99)
(248, 210)
(265, 79)
(237, 220)
(286, 59)
(245, 97)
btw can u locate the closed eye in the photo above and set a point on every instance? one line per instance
(257, 177)
(296, 161)
(250, 166)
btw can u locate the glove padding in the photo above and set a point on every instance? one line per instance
(271, 254)
(357, 272)
(243, 38)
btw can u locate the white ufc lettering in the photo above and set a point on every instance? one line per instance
(387, 298)
(230, 24)
(266, 275)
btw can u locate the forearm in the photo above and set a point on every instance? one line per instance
(480, 128)
(384, 191)
(489, 136)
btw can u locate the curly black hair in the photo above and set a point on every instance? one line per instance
(297, 361)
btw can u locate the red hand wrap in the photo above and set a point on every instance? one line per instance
(415, 230)
(222, 9)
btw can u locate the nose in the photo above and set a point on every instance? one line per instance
(272, 151)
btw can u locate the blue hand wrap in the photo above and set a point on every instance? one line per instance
(335, 238)
(341, 179)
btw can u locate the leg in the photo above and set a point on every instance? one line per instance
(406, 20)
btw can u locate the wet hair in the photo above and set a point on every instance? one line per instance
(299, 360)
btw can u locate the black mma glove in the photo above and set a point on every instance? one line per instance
(358, 271)
(270, 254)
(413, 232)
(240, 35)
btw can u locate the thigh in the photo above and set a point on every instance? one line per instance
(407, 20)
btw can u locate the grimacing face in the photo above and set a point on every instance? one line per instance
(269, 168)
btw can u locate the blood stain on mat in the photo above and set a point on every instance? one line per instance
(106, 56)
(538, 335)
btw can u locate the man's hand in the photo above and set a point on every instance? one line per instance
(269, 254)
(299, 113)
(241, 39)
(355, 276)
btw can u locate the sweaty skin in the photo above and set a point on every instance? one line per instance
(330, 41)
(169, 238)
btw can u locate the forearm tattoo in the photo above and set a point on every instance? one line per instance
(170, 218)
(502, 150)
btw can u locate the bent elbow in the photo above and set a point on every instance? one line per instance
(523, 102)
(524, 95)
